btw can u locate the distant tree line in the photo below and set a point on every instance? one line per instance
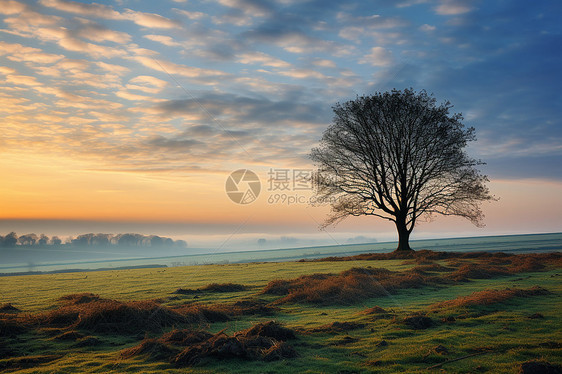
(12, 240)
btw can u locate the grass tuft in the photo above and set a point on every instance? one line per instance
(348, 287)
(487, 297)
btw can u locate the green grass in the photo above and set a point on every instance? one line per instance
(503, 331)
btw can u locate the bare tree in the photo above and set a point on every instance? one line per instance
(398, 156)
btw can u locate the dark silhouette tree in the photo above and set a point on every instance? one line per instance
(398, 156)
(43, 240)
(55, 240)
(10, 240)
(28, 239)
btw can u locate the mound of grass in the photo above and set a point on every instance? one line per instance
(9, 308)
(374, 310)
(269, 329)
(264, 341)
(418, 322)
(110, 315)
(185, 337)
(247, 307)
(12, 326)
(476, 271)
(487, 297)
(200, 314)
(348, 287)
(539, 367)
(152, 349)
(519, 263)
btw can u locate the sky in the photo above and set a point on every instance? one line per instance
(129, 116)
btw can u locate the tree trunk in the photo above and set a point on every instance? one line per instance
(403, 236)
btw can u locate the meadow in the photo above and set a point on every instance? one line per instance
(386, 313)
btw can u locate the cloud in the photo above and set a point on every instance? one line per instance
(22, 80)
(68, 42)
(147, 84)
(117, 69)
(133, 97)
(150, 20)
(163, 39)
(18, 52)
(6, 70)
(11, 7)
(97, 33)
(324, 63)
(179, 69)
(84, 9)
(243, 12)
(177, 145)
(379, 56)
(452, 7)
(427, 28)
(190, 15)
(262, 59)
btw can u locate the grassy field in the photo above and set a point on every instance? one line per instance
(454, 312)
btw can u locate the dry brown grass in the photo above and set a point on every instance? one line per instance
(185, 337)
(487, 297)
(10, 326)
(476, 271)
(264, 341)
(348, 287)
(9, 308)
(102, 315)
(199, 314)
(422, 257)
(152, 349)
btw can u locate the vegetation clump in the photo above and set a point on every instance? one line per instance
(151, 348)
(487, 297)
(418, 322)
(348, 287)
(9, 308)
(185, 337)
(539, 367)
(264, 341)
(200, 314)
(109, 315)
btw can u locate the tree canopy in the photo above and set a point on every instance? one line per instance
(399, 156)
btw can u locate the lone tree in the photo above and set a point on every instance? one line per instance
(398, 156)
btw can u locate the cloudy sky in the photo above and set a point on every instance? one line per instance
(130, 115)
